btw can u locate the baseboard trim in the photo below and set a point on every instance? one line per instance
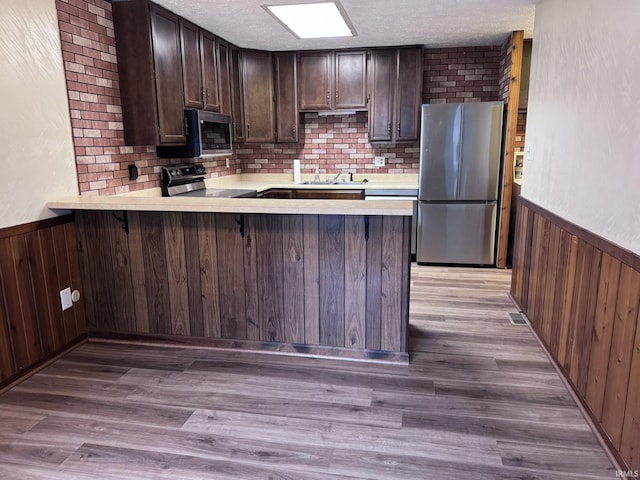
(20, 377)
(594, 425)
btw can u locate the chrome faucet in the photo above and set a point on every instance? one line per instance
(337, 177)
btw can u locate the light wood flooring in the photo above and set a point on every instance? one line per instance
(479, 400)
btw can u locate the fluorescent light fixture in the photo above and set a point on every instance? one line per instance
(313, 20)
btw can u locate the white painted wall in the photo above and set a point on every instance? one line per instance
(35, 128)
(583, 119)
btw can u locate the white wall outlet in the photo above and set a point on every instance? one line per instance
(65, 298)
(528, 153)
(378, 161)
(228, 163)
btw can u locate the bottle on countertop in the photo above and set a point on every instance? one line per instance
(296, 171)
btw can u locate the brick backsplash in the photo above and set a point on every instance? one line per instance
(330, 144)
(327, 143)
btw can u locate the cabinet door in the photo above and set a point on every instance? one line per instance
(257, 76)
(211, 95)
(408, 94)
(315, 71)
(191, 65)
(350, 80)
(236, 96)
(165, 34)
(382, 76)
(224, 79)
(286, 97)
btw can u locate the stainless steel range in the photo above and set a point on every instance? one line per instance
(189, 180)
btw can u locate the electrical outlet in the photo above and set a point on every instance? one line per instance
(228, 163)
(65, 298)
(378, 161)
(528, 153)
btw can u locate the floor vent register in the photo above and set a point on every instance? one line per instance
(518, 319)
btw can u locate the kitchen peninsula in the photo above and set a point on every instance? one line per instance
(317, 277)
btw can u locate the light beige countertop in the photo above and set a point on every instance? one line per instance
(152, 200)
(264, 181)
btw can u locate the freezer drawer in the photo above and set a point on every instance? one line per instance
(456, 233)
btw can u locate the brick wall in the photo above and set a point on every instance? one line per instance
(330, 144)
(521, 128)
(454, 75)
(505, 69)
(89, 53)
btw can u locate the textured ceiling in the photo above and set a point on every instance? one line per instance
(434, 23)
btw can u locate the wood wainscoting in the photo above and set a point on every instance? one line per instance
(313, 284)
(581, 294)
(37, 260)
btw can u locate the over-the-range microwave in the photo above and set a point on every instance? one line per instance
(207, 133)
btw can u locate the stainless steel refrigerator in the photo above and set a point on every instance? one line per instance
(460, 150)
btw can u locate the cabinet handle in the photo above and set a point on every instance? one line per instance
(293, 130)
(206, 94)
(398, 128)
(248, 130)
(328, 98)
(337, 95)
(202, 96)
(389, 130)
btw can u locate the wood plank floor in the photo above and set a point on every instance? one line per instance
(479, 401)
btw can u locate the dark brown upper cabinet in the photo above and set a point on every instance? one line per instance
(395, 89)
(224, 77)
(350, 80)
(237, 107)
(257, 86)
(199, 68)
(286, 98)
(150, 73)
(332, 80)
(210, 72)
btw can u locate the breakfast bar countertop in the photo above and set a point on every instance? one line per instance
(152, 200)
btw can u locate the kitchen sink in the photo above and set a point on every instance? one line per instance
(335, 182)
(314, 193)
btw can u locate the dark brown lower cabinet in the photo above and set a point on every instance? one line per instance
(301, 280)
(37, 260)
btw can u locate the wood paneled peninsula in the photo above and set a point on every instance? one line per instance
(314, 277)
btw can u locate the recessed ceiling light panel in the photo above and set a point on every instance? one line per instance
(313, 20)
